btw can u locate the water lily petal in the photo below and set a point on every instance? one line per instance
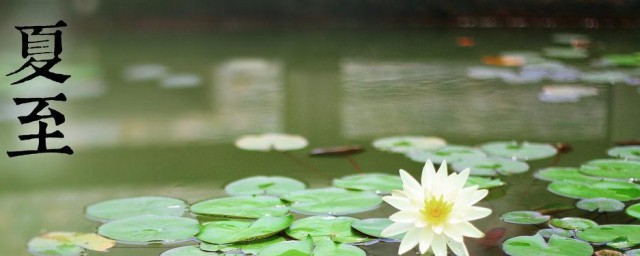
(458, 248)
(469, 230)
(428, 175)
(410, 240)
(477, 213)
(396, 229)
(406, 216)
(400, 203)
(439, 245)
(426, 236)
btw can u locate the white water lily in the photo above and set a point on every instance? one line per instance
(436, 214)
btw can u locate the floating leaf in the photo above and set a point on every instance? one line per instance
(491, 166)
(233, 231)
(600, 204)
(252, 247)
(634, 211)
(483, 182)
(337, 228)
(612, 168)
(289, 248)
(271, 141)
(524, 217)
(604, 77)
(404, 144)
(620, 191)
(519, 151)
(376, 182)
(610, 233)
(150, 229)
(325, 246)
(263, 185)
(548, 232)
(136, 206)
(191, 250)
(252, 207)
(573, 223)
(536, 245)
(42, 246)
(625, 152)
(567, 174)
(373, 227)
(450, 153)
(565, 53)
(333, 201)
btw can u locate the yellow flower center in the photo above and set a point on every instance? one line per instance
(436, 210)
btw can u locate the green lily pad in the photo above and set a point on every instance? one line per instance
(548, 232)
(43, 246)
(449, 153)
(289, 248)
(625, 152)
(634, 211)
(491, 166)
(373, 227)
(191, 250)
(252, 247)
(566, 174)
(620, 191)
(536, 245)
(612, 233)
(565, 53)
(150, 229)
(573, 223)
(336, 228)
(612, 168)
(325, 246)
(483, 182)
(271, 141)
(623, 60)
(332, 201)
(376, 182)
(404, 144)
(600, 204)
(233, 231)
(263, 185)
(604, 77)
(519, 151)
(524, 217)
(136, 206)
(251, 207)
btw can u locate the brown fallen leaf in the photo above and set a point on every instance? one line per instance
(88, 241)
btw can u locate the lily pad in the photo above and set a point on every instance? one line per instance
(611, 233)
(252, 247)
(136, 206)
(565, 174)
(191, 250)
(449, 153)
(620, 191)
(491, 166)
(263, 185)
(625, 152)
(404, 144)
(600, 204)
(373, 227)
(271, 141)
(251, 207)
(325, 246)
(233, 231)
(536, 245)
(150, 229)
(612, 168)
(483, 182)
(332, 201)
(337, 228)
(289, 248)
(548, 232)
(43, 246)
(634, 211)
(376, 182)
(573, 223)
(604, 77)
(565, 53)
(525, 151)
(524, 217)
(68, 243)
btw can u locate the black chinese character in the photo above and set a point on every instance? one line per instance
(42, 134)
(45, 48)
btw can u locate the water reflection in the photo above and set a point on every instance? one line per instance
(435, 98)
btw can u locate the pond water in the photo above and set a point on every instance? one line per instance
(152, 114)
